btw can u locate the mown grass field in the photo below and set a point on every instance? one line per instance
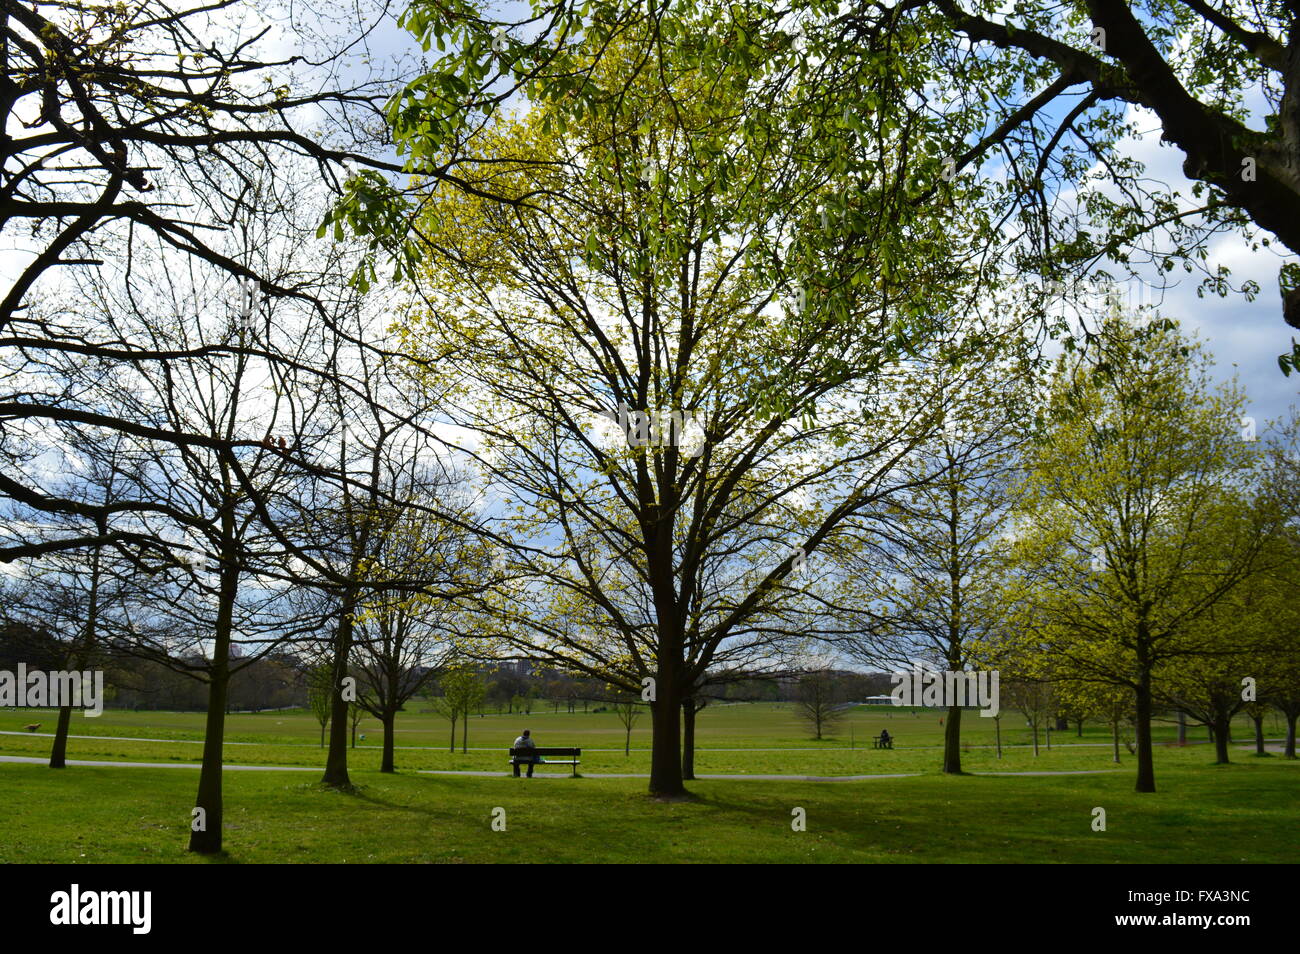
(753, 738)
(1244, 812)
(1239, 813)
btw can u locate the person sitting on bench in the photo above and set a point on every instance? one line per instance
(884, 738)
(525, 742)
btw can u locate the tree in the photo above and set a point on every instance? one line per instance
(320, 692)
(356, 712)
(405, 639)
(152, 188)
(462, 690)
(1143, 509)
(628, 710)
(72, 597)
(820, 701)
(1258, 712)
(1285, 695)
(1108, 703)
(692, 705)
(1032, 697)
(923, 576)
(1277, 611)
(1211, 685)
(1255, 667)
(748, 352)
(105, 153)
(218, 418)
(81, 592)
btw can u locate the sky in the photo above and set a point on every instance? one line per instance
(1244, 337)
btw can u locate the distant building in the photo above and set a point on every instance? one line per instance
(519, 667)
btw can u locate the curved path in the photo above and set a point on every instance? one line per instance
(28, 760)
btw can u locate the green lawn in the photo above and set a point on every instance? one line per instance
(1247, 811)
(292, 738)
(1229, 814)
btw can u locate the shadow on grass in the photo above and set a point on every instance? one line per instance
(222, 857)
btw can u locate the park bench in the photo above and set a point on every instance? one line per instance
(561, 757)
(878, 743)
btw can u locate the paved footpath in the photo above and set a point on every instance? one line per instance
(765, 778)
(238, 768)
(776, 778)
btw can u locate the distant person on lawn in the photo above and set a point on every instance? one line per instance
(525, 742)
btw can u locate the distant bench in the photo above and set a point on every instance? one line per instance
(879, 743)
(561, 757)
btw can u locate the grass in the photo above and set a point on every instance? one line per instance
(1246, 811)
(1226, 814)
(730, 740)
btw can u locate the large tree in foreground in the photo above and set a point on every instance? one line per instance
(688, 354)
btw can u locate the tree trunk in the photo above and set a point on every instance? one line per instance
(464, 735)
(952, 742)
(1182, 727)
(336, 761)
(1290, 732)
(688, 739)
(1221, 739)
(1078, 731)
(386, 765)
(1259, 734)
(210, 795)
(1114, 726)
(997, 734)
(208, 841)
(666, 743)
(59, 750)
(1146, 773)
(1062, 723)
(452, 749)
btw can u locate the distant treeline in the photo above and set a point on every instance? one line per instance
(280, 680)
